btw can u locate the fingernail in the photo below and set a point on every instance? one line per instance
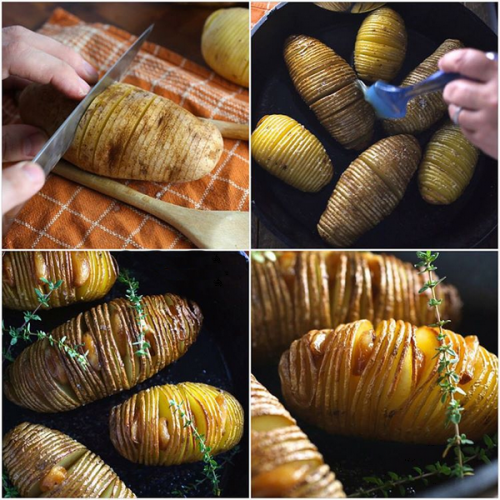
(33, 144)
(34, 173)
(84, 88)
(90, 71)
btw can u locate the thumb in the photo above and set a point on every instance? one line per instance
(19, 183)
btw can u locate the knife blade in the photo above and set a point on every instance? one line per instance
(59, 143)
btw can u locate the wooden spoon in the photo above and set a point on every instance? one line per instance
(231, 130)
(206, 229)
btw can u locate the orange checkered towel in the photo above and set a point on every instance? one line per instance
(67, 215)
(260, 9)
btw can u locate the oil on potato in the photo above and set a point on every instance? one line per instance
(85, 276)
(287, 150)
(129, 133)
(422, 111)
(447, 166)
(381, 382)
(225, 44)
(146, 429)
(295, 292)
(284, 462)
(328, 85)
(380, 45)
(45, 379)
(369, 190)
(42, 462)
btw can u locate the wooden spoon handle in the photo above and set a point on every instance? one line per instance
(231, 130)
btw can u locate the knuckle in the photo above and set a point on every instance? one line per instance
(14, 32)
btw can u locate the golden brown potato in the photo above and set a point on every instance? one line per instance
(301, 291)
(146, 429)
(381, 382)
(369, 190)
(284, 462)
(286, 149)
(447, 167)
(422, 111)
(225, 44)
(46, 463)
(350, 7)
(45, 379)
(328, 85)
(380, 46)
(129, 133)
(85, 276)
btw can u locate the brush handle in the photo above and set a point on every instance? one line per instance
(436, 81)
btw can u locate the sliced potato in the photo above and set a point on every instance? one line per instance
(328, 85)
(351, 7)
(369, 190)
(129, 133)
(422, 111)
(225, 44)
(286, 149)
(447, 166)
(380, 45)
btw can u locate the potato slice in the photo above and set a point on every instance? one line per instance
(350, 7)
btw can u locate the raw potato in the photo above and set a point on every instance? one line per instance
(300, 291)
(129, 133)
(225, 44)
(85, 276)
(381, 382)
(286, 149)
(45, 379)
(422, 111)
(447, 167)
(284, 462)
(147, 430)
(350, 7)
(42, 462)
(369, 190)
(328, 85)
(380, 46)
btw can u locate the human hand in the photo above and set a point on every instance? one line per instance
(474, 104)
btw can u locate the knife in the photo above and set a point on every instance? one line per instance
(59, 143)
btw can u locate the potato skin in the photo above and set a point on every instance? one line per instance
(328, 85)
(44, 379)
(381, 382)
(350, 7)
(137, 426)
(31, 452)
(287, 150)
(369, 190)
(86, 276)
(225, 44)
(423, 111)
(380, 46)
(301, 291)
(284, 462)
(447, 166)
(129, 133)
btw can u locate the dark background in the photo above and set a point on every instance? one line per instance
(218, 282)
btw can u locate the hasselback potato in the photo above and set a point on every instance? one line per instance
(381, 382)
(447, 166)
(224, 44)
(328, 85)
(380, 46)
(42, 462)
(129, 133)
(147, 430)
(44, 379)
(425, 110)
(350, 7)
(284, 462)
(369, 190)
(85, 276)
(301, 291)
(286, 149)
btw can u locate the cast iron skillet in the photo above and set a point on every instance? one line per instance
(293, 215)
(218, 282)
(475, 274)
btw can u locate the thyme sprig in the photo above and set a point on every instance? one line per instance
(24, 331)
(140, 316)
(395, 482)
(211, 466)
(9, 490)
(448, 379)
